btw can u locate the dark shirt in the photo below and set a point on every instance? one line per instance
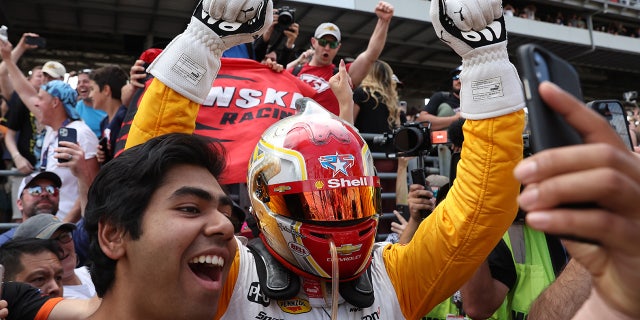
(24, 301)
(372, 117)
(439, 98)
(112, 128)
(20, 119)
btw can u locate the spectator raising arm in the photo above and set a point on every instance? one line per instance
(363, 62)
(19, 82)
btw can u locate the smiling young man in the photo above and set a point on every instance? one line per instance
(160, 246)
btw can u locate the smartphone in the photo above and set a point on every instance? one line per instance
(104, 141)
(40, 42)
(613, 111)
(418, 177)
(67, 134)
(548, 129)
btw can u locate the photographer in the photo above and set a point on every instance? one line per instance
(283, 27)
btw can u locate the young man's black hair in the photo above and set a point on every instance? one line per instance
(113, 76)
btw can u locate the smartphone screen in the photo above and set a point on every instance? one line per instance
(613, 111)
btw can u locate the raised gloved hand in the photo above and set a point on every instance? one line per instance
(475, 30)
(191, 61)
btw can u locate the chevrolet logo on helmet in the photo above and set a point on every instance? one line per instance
(347, 249)
(281, 189)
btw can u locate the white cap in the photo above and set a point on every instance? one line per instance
(327, 28)
(55, 69)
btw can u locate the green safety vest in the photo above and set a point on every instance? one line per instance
(533, 268)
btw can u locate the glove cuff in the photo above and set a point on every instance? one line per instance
(491, 86)
(190, 62)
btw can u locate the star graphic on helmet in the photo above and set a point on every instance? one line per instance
(337, 163)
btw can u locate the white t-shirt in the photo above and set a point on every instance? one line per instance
(69, 191)
(86, 290)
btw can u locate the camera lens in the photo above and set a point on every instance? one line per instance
(285, 18)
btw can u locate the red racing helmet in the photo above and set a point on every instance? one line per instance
(311, 182)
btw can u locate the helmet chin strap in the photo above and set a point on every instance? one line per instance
(335, 279)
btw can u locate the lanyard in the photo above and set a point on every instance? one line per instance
(45, 154)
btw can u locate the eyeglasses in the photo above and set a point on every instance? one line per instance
(456, 77)
(332, 44)
(38, 190)
(64, 237)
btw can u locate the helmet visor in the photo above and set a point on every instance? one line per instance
(338, 199)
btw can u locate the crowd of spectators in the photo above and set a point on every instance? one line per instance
(573, 18)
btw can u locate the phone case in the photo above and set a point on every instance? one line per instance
(67, 134)
(417, 177)
(40, 42)
(548, 129)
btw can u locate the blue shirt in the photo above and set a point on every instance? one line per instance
(92, 117)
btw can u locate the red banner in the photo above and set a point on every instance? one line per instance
(245, 99)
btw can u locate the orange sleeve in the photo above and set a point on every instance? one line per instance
(451, 243)
(227, 290)
(47, 307)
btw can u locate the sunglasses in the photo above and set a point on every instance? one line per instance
(456, 77)
(324, 42)
(85, 71)
(38, 190)
(64, 237)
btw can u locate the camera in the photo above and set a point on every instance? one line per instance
(286, 16)
(410, 139)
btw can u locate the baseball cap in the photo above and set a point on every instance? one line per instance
(456, 72)
(26, 181)
(327, 28)
(66, 94)
(150, 55)
(41, 226)
(54, 69)
(436, 180)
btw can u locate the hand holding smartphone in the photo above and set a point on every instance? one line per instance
(418, 177)
(66, 134)
(104, 146)
(39, 42)
(548, 128)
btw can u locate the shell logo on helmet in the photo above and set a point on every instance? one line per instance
(342, 182)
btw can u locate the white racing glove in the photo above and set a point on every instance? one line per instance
(191, 61)
(475, 30)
